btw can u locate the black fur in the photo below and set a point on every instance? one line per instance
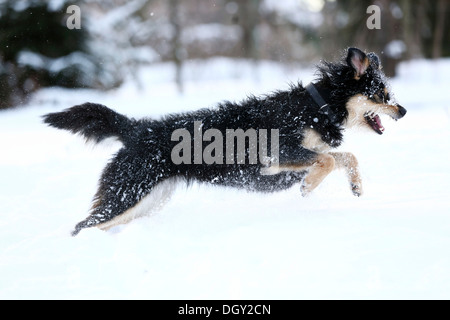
(93, 121)
(145, 159)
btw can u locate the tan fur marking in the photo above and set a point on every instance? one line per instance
(363, 69)
(349, 163)
(323, 165)
(318, 169)
(313, 141)
(123, 218)
(359, 105)
(152, 202)
(275, 169)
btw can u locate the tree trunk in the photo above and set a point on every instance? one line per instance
(249, 22)
(439, 29)
(176, 42)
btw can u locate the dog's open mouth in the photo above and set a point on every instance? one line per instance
(374, 121)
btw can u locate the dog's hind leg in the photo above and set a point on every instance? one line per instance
(154, 200)
(349, 163)
(124, 190)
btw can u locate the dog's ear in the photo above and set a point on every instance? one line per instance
(374, 60)
(358, 61)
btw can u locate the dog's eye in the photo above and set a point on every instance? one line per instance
(382, 96)
(385, 94)
(376, 97)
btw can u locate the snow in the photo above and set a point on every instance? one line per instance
(38, 61)
(395, 49)
(211, 31)
(216, 243)
(304, 13)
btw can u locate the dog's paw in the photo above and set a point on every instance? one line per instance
(305, 189)
(356, 189)
(304, 193)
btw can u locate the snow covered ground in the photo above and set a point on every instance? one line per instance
(214, 243)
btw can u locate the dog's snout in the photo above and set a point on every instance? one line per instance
(401, 111)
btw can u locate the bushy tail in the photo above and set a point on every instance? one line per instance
(93, 121)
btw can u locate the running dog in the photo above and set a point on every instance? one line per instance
(305, 122)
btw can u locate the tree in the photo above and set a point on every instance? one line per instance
(439, 28)
(38, 50)
(249, 20)
(176, 45)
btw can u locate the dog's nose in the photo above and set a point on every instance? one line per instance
(401, 111)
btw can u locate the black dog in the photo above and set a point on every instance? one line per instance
(304, 124)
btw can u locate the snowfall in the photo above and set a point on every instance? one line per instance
(218, 243)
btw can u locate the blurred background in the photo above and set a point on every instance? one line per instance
(117, 37)
(148, 58)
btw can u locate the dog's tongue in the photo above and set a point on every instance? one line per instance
(377, 126)
(375, 122)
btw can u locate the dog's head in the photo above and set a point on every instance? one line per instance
(371, 95)
(360, 87)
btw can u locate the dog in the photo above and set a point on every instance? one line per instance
(306, 123)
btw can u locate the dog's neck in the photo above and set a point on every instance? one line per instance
(320, 97)
(323, 90)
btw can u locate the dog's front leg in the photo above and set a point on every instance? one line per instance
(349, 163)
(320, 168)
(317, 169)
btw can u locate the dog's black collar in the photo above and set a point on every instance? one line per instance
(323, 106)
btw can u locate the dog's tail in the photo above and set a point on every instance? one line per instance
(93, 121)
